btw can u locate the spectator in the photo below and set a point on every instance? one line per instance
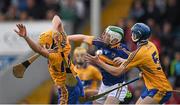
(35, 10)
(23, 16)
(176, 44)
(152, 11)
(130, 22)
(73, 11)
(166, 63)
(11, 14)
(122, 23)
(20, 4)
(4, 6)
(165, 37)
(68, 11)
(52, 8)
(154, 30)
(2, 17)
(172, 12)
(161, 5)
(50, 14)
(52, 5)
(175, 69)
(137, 10)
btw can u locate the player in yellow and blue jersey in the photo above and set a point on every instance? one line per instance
(146, 58)
(89, 75)
(58, 59)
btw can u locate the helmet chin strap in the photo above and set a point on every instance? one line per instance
(112, 45)
(134, 39)
(142, 42)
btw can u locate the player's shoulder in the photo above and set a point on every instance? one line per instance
(151, 44)
(92, 68)
(148, 47)
(98, 43)
(139, 52)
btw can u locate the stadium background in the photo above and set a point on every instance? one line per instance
(36, 87)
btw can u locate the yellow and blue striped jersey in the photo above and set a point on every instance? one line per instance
(146, 58)
(90, 76)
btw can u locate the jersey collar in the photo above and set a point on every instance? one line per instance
(143, 42)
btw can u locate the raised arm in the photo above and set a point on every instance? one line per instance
(57, 24)
(34, 46)
(79, 37)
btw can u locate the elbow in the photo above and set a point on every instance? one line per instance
(117, 72)
(40, 50)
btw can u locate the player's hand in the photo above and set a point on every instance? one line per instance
(92, 59)
(57, 24)
(118, 60)
(22, 30)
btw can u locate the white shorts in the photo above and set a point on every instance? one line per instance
(120, 93)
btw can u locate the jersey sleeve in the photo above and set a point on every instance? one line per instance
(97, 74)
(90, 40)
(134, 60)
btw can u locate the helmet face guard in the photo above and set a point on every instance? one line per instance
(114, 34)
(136, 36)
(140, 32)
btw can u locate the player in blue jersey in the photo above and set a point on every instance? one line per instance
(109, 47)
(146, 59)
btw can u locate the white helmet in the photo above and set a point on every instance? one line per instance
(115, 33)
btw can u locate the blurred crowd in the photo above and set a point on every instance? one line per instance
(163, 18)
(69, 10)
(40, 9)
(74, 11)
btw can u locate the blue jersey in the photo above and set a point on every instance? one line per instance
(73, 93)
(110, 54)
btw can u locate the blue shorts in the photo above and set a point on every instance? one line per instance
(73, 93)
(160, 96)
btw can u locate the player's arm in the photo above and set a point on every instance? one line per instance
(118, 60)
(57, 24)
(97, 78)
(133, 60)
(116, 71)
(79, 37)
(34, 46)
